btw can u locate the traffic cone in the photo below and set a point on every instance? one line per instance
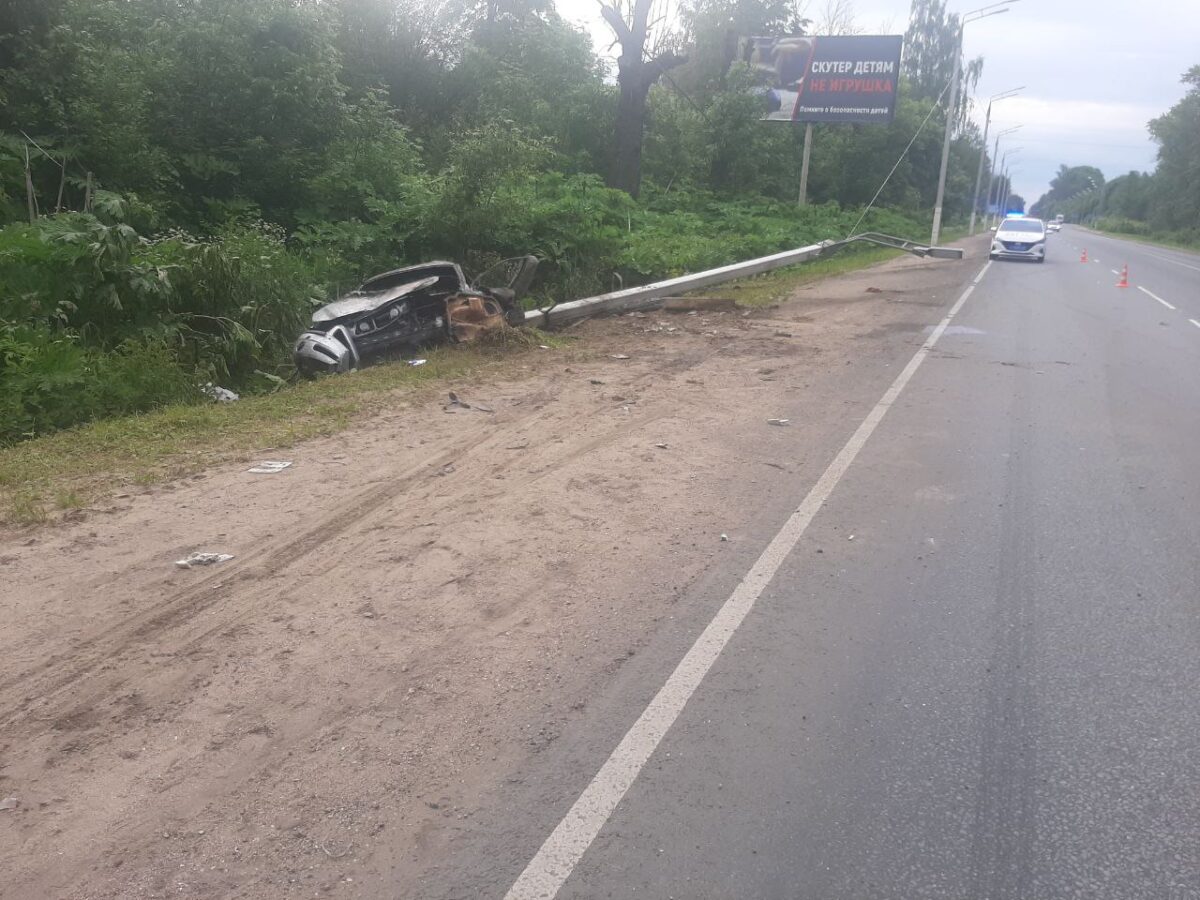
(1124, 282)
(1083, 257)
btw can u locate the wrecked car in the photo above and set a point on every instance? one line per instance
(401, 310)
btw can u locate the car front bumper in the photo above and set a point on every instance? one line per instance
(1013, 250)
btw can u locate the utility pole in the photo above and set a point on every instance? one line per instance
(975, 15)
(804, 164)
(987, 122)
(29, 189)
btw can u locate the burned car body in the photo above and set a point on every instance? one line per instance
(401, 310)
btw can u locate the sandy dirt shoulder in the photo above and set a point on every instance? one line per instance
(415, 607)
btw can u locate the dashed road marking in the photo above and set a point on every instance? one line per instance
(1156, 297)
(1194, 322)
(557, 858)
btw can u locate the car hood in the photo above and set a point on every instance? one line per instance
(1024, 237)
(362, 303)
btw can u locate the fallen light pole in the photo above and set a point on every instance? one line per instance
(652, 295)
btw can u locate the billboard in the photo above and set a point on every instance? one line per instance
(828, 79)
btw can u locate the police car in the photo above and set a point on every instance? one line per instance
(1020, 238)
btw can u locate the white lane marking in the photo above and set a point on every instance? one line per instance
(1177, 262)
(1194, 322)
(552, 865)
(1114, 271)
(1156, 297)
(1096, 261)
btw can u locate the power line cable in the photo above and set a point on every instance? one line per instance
(925, 122)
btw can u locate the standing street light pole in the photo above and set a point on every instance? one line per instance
(1008, 188)
(995, 184)
(1002, 210)
(987, 121)
(974, 16)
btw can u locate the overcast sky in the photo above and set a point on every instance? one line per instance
(1094, 71)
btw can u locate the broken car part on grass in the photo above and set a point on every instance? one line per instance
(412, 307)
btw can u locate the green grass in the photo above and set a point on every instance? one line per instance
(73, 469)
(1151, 240)
(773, 287)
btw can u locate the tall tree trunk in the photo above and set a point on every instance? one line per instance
(635, 76)
(626, 171)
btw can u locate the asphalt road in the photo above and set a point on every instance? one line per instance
(975, 675)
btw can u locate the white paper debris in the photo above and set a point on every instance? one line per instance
(220, 394)
(202, 559)
(270, 466)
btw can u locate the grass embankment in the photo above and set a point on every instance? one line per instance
(1152, 240)
(772, 287)
(73, 469)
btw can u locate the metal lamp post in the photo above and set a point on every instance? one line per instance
(1003, 207)
(1008, 190)
(1004, 95)
(995, 183)
(973, 16)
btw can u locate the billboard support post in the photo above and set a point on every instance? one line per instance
(804, 164)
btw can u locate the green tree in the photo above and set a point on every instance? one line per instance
(931, 45)
(1177, 178)
(1076, 188)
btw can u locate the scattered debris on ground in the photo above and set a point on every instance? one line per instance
(202, 559)
(220, 394)
(270, 467)
(698, 304)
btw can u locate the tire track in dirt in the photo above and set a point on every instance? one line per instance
(260, 564)
(82, 716)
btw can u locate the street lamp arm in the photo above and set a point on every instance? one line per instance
(987, 123)
(983, 12)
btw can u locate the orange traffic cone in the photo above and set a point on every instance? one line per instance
(1083, 257)
(1124, 282)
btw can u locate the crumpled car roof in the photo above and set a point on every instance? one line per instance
(365, 302)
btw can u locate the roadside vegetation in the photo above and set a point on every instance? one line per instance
(202, 175)
(72, 469)
(1162, 206)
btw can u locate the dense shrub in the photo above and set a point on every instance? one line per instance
(49, 380)
(96, 320)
